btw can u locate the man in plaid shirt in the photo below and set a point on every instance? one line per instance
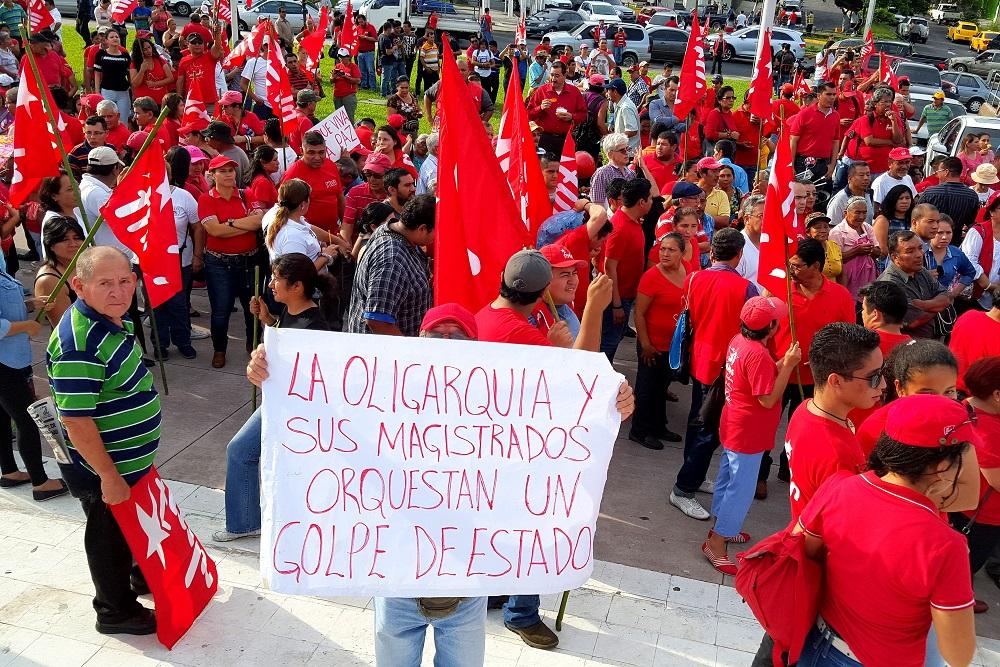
(392, 288)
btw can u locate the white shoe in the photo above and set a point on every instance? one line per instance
(708, 486)
(199, 333)
(226, 536)
(689, 506)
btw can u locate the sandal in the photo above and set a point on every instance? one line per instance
(723, 564)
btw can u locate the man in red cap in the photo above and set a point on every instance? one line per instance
(754, 385)
(566, 271)
(372, 190)
(717, 202)
(784, 107)
(197, 68)
(323, 176)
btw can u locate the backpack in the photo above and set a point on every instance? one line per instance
(586, 134)
(782, 586)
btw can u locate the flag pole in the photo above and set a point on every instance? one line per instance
(159, 348)
(100, 218)
(256, 328)
(788, 280)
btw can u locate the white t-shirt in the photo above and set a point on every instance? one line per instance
(582, 63)
(483, 57)
(57, 18)
(286, 156)
(295, 236)
(255, 71)
(741, 20)
(96, 194)
(886, 182)
(185, 215)
(749, 261)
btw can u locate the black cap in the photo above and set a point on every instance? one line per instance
(220, 130)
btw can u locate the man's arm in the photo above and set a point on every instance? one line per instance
(217, 50)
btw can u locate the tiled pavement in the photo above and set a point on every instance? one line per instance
(623, 616)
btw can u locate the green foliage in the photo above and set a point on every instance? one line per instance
(884, 16)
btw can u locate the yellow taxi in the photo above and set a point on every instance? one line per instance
(963, 31)
(981, 41)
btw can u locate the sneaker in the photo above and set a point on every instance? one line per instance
(723, 563)
(199, 333)
(689, 506)
(536, 636)
(143, 623)
(187, 352)
(708, 486)
(226, 536)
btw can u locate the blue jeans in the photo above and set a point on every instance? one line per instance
(734, 489)
(173, 316)
(122, 99)
(521, 611)
(400, 629)
(611, 333)
(366, 63)
(229, 277)
(819, 652)
(619, 53)
(243, 477)
(390, 71)
(933, 657)
(700, 441)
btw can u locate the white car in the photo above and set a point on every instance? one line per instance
(742, 44)
(598, 11)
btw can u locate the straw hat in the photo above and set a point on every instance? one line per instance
(985, 174)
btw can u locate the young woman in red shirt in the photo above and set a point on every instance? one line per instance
(263, 193)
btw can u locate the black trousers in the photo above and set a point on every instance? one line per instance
(790, 400)
(651, 383)
(16, 394)
(983, 538)
(427, 77)
(109, 558)
(716, 64)
(552, 143)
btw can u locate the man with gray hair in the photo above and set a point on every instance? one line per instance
(118, 132)
(101, 390)
(925, 296)
(752, 214)
(429, 169)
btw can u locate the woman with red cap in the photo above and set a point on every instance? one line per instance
(885, 527)
(982, 526)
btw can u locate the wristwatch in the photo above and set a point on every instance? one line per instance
(230, 222)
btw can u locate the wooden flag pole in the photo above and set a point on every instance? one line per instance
(788, 278)
(256, 328)
(159, 349)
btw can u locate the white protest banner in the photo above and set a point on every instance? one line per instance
(338, 131)
(407, 467)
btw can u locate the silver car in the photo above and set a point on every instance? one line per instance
(742, 44)
(948, 141)
(972, 90)
(637, 48)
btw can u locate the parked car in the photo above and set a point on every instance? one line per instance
(945, 13)
(981, 41)
(923, 78)
(667, 44)
(742, 44)
(949, 140)
(984, 64)
(919, 101)
(598, 11)
(963, 31)
(972, 90)
(792, 5)
(646, 12)
(625, 13)
(559, 4)
(550, 20)
(914, 28)
(637, 48)
(269, 10)
(662, 18)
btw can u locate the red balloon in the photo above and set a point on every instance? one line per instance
(585, 165)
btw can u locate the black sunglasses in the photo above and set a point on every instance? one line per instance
(873, 380)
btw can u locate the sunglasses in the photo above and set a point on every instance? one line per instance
(873, 380)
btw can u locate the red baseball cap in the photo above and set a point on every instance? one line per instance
(760, 311)
(709, 163)
(192, 128)
(395, 120)
(900, 153)
(787, 88)
(136, 140)
(91, 100)
(451, 312)
(929, 420)
(220, 161)
(560, 257)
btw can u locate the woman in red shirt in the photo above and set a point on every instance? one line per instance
(658, 303)
(151, 75)
(231, 253)
(983, 381)
(248, 129)
(872, 136)
(263, 193)
(388, 143)
(720, 122)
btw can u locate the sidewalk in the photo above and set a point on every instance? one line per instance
(623, 616)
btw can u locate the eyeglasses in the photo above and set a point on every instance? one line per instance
(728, 97)
(873, 380)
(454, 335)
(795, 268)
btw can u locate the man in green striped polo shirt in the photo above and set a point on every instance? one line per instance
(936, 115)
(111, 412)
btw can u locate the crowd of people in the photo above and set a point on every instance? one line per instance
(884, 358)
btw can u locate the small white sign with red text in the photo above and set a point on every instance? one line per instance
(338, 131)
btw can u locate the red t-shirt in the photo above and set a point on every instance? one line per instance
(619, 39)
(262, 193)
(324, 201)
(715, 298)
(118, 137)
(987, 427)
(890, 558)
(877, 157)
(171, 127)
(870, 431)
(577, 241)
(747, 426)
(748, 147)
(817, 447)
(974, 336)
(212, 204)
(816, 132)
(662, 171)
(364, 46)
(625, 244)
(887, 342)
(789, 107)
(832, 303)
(145, 90)
(303, 125)
(90, 55)
(341, 86)
(505, 325)
(199, 71)
(74, 130)
(250, 124)
(54, 69)
(666, 304)
(719, 122)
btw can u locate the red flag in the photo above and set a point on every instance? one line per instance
(279, 89)
(520, 34)
(223, 11)
(141, 215)
(800, 85)
(249, 4)
(348, 34)
(869, 46)
(249, 46)
(39, 17)
(36, 153)
(519, 161)
(195, 111)
(781, 226)
(568, 189)
(693, 79)
(180, 574)
(311, 45)
(122, 9)
(886, 75)
(472, 242)
(760, 87)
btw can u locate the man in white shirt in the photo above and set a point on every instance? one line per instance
(429, 169)
(253, 81)
(103, 168)
(753, 221)
(741, 20)
(57, 22)
(626, 114)
(897, 174)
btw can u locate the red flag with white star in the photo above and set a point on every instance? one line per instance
(311, 45)
(223, 11)
(694, 83)
(781, 225)
(760, 87)
(568, 188)
(179, 572)
(279, 89)
(869, 46)
(39, 17)
(141, 215)
(36, 153)
(249, 46)
(348, 38)
(122, 9)
(195, 111)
